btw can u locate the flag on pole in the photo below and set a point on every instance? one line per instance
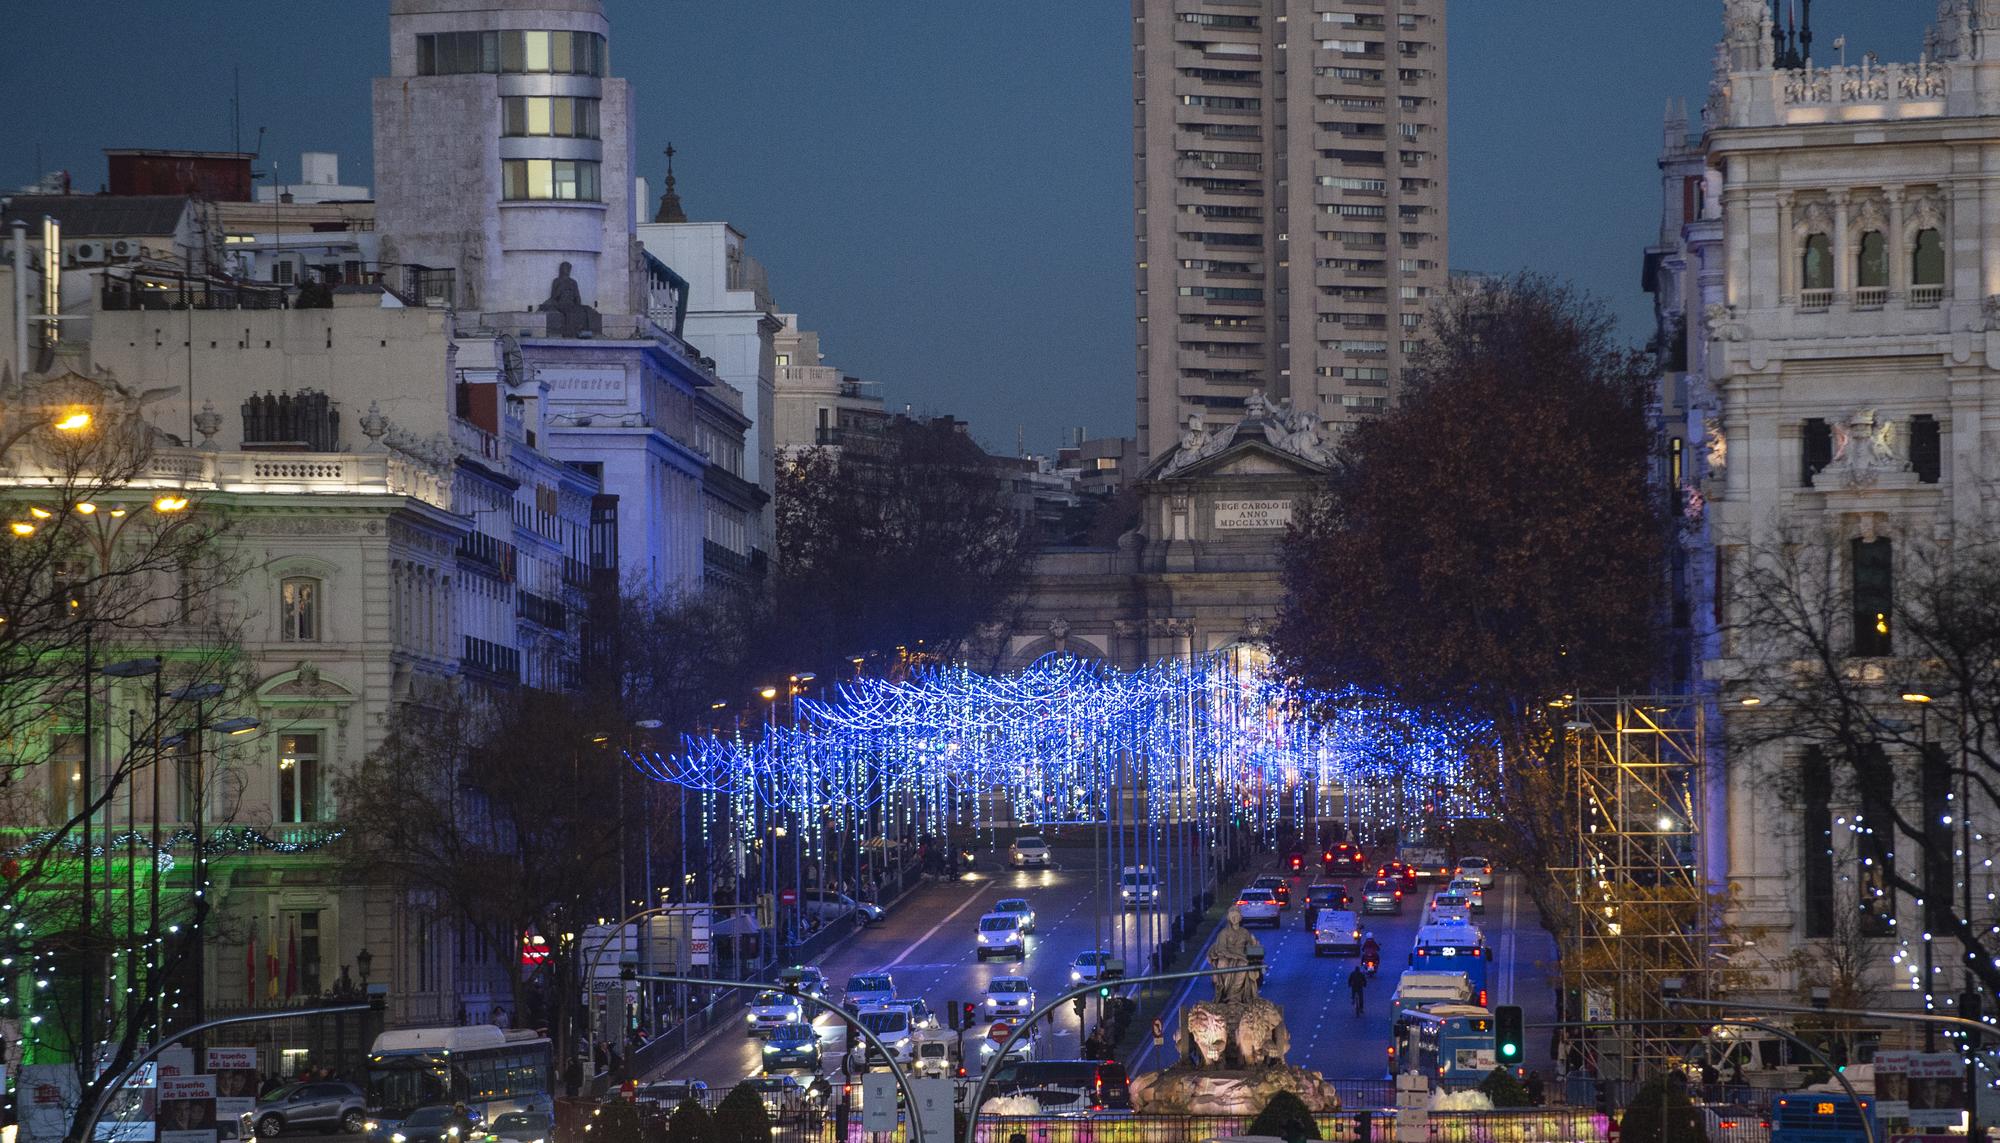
(271, 962)
(292, 962)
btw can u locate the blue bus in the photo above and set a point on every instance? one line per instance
(1821, 1117)
(1454, 947)
(1452, 1043)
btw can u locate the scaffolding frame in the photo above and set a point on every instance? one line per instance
(1645, 914)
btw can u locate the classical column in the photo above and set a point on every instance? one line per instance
(1899, 262)
(1788, 253)
(1843, 256)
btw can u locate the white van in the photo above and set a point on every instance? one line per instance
(1416, 990)
(1139, 885)
(1336, 931)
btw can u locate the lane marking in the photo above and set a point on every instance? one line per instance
(933, 930)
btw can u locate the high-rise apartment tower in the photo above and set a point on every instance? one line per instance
(1290, 173)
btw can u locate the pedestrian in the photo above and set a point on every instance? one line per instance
(1534, 1086)
(1357, 981)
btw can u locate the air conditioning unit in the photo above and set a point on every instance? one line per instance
(84, 253)
(126, 248)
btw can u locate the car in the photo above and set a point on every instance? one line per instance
(1471, 890)
(803, 979)
(892, 1025)
(1009, 996)
(324, 1105)
(1280, 888)
(770, 1008)
(1000, 935)
(1324, 895)
(1345, 858)
(1096, 964)
(428, 1124)
(521, 1127)
(1382, 896)
(1138, 885)
(671, 1093)
(1336, 931)
(1019, 907)
(1258, 907)
(1476, 869)
(922, 1019)
(828, 907)
(782, 1095)
(1448, 906)
(1028, 852)
(996, 1035)
(868, 988)
(791, 1047)
(935, 1058)
(1735, 1123)
(1405, 875)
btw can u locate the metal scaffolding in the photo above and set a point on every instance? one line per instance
(1644, 911)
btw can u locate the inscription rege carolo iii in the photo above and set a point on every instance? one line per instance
(1252, 515)
(582, 383)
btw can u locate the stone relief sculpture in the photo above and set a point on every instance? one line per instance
(1864, 447)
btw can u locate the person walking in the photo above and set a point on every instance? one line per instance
(1357, 983)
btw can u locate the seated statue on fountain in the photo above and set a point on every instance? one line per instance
(1233, 1047)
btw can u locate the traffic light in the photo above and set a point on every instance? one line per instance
(1507, 1033)
(1076, 1006)
(951, 1011)
(966, 1014)
(1104, 992)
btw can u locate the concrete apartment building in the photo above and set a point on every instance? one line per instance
(1289, 169)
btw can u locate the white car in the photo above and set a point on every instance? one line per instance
(1094, 965)
(1139, 885)
(770, 1009)
(1019, 907)
(1028, 853)
(1000, 935)
(922, 1019)
(996, 1034)
(1258, 907)
(1009, 996)
(869, 988)
(1446, 907)
(1475, 869)
(891, 1024)
(1471, 890)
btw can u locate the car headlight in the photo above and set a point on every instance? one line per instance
(371, 1125)
(750, 1018)
(770, 1047)
(399, 1137)
(1075, 975)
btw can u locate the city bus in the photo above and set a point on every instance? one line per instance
(1454, 947)
(1821, 1117)
(490, 1070)
(1452, 1043)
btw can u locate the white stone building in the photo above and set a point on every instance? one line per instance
(1824, 280)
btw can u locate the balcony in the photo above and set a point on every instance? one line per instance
(1871, 297)
(541, 610)
(500, 664)
(490, 554)
(1926, 297)
(1815, 299)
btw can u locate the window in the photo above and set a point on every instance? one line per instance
(567, 180)
(1871, 268)
(1816, 843)
(1816, 451)
(298, 609)
(1874, 597)
(1347, 183)
(1222, 102)
(1927, 259)
(299, 778)
(1816, 264)
(510, 52)
(65, 778)
(1209, 20)
(560, 116)
(1926, 449)
(188, 785)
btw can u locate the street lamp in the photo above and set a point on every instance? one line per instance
(199, 694)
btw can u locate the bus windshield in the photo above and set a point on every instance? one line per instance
(400, 1085)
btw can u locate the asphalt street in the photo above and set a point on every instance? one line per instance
(926, 942)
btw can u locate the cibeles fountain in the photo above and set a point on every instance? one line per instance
(1232, 1047)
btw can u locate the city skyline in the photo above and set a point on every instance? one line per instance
(865, 234)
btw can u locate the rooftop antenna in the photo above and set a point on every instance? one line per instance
(236, 110)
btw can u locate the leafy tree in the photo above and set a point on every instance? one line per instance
(911, 546)
(1505, 1089)
(691, 1123)
(1285, 1116)
(741, 1118)
(1661, 1112)
(1490, 545)
(617, 1121)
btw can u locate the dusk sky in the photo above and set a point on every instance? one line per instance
(943, 190)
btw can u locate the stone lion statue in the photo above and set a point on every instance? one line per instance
(1260, 1034)
(1204, 1036)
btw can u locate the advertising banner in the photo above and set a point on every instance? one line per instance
(187, 1109)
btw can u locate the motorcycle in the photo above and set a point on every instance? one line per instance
(1372, 961)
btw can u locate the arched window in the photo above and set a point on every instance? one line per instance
(1927, 258)
(1871, 270)
(1816, 264)
(299, 609)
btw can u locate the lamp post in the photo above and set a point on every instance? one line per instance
(138, 669)
(200, 694)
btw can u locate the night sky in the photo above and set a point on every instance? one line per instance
(942, 189)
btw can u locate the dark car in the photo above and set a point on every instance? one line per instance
(324, 1105)
(1324, 895)
(429, 1124)
(791, 1047)
(1344, 859)
(1396, 871)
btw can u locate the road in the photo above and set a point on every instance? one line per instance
(927, 943)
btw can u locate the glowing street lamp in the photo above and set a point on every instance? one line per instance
(75, 421)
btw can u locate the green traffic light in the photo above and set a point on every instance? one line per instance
(1508, 1049)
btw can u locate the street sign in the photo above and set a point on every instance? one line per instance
(878, 1102)
(1159, 1032)
(788, 896)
